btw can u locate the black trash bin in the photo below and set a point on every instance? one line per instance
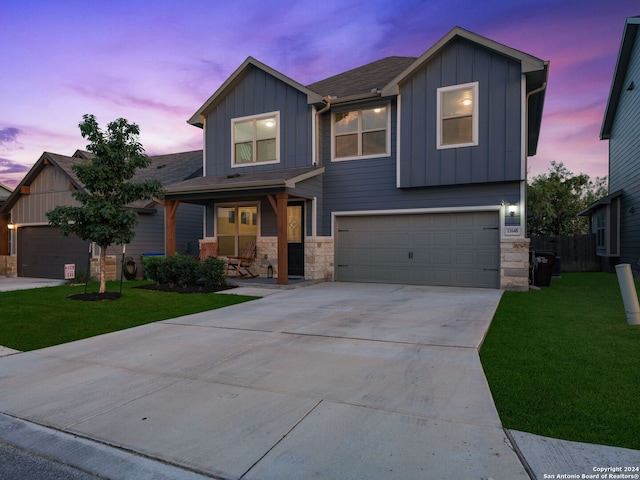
(543, 267)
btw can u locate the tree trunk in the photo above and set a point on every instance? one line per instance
(103, 269)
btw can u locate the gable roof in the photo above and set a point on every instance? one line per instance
(166, 168)
(528, 62)
(617, 84)
(198, 117)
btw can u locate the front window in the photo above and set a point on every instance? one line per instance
(255, 139)
(236, 226)
(458, 116)
(361, 133)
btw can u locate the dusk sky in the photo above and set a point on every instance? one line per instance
(156, 62)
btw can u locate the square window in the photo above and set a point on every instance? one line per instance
(255, 139)
(361, 133)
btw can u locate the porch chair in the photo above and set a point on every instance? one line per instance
(240, 263)
(208, 249)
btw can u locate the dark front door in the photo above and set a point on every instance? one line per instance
(295, 238)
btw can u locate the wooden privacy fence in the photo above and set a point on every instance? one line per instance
(577, 253)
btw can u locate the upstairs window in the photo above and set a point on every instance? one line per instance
(256, 139)
(457, 116)
(361, 133)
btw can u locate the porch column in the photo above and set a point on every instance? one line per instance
(170, 209)
(283, 253)
(4, 234)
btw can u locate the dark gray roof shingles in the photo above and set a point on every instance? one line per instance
(364, 79)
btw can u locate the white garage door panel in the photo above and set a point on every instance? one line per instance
(457, 249)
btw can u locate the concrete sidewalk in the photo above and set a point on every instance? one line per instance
(328, 381)
(26, 283)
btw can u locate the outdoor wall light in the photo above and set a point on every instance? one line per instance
(512, 209)
(11, 226)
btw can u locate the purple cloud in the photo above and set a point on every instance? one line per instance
(10, 167)
(9, 135)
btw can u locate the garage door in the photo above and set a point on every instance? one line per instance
(455, 249)
(43, 252)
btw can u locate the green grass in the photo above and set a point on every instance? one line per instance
(43, 317)
(563, 362)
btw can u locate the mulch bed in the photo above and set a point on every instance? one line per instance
(95, 296)
(98, 297)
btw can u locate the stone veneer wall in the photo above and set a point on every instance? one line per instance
(514, 264)
(9, 265)
(318, 261)
(111, 268)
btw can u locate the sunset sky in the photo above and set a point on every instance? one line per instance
(156, 62)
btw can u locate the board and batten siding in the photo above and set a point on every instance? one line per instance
(624, 166)
(498, 155)
(259, 92)
(370, 185)
(48, 190)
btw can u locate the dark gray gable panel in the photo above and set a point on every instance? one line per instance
(259, 92)
(497, 158)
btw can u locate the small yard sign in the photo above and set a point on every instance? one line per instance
(69, 271)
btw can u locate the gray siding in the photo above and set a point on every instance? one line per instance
(258, 92)
(48, 190)
(150, 235)
(370, 184)
(624, 169)
(497, 157)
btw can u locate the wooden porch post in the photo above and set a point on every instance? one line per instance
(4, 234)
(170, 209)
(283, 254)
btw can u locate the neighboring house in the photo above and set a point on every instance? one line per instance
(405, 170)
(5, 191)
(5, 239)
(615, 219)
(38, 250)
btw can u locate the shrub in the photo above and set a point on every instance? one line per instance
(211, 272)
(150, 267)
(184, 271)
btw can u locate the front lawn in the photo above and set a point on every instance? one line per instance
(42, 317)
(563, 362)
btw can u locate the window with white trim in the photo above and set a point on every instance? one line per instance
(457, 116)
(255, 139)
(361, 133)
(236, 225)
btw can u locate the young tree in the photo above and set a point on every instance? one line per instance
(554, 200)
(108, 188)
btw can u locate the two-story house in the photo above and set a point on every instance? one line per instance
(405, 170)
(615, 220)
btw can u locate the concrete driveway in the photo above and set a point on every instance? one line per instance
(334, 380)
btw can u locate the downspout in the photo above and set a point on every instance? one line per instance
(541, 88)
(327, 106)
(523, 195)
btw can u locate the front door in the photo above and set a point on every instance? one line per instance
(295, 238)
